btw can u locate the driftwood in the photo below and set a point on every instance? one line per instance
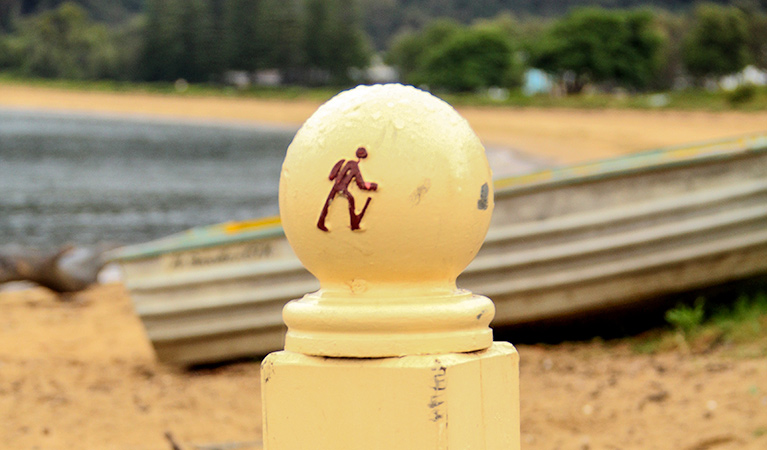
(173, 444)
(66, 270)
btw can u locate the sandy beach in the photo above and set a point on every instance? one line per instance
(81, 374)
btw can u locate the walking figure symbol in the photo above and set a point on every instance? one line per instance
(343, 174)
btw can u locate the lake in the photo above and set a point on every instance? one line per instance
(86, 179)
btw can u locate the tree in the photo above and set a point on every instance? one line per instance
(334, 39)
(63, 43)
(244, 37)
(409, 50)
(380, 18)
(641, 50)
(673, 27)
(349, 46)
(597, 45)
(757, 38)
(504, 23)
(11, 52)
(129, 44)
(162, 41)
(9, 11)
(109, 11)
(282, 26)
(717, 43)
(180, 41)
(470, 60)
(317, 34)
(196, 36)
(507, 26)
(219, 47)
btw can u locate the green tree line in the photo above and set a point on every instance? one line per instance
(308, 41)
(382, 18)
(313, 42)
(634, 49)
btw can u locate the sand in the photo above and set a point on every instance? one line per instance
(81, 374)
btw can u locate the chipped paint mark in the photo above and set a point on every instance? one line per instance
(358, 286)
(482, 203)
(420, 191)
(267, 367)
(437, 400)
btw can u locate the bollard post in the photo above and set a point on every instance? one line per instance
(386, 196)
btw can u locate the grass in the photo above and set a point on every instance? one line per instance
(686, 319)
(745, 320)
(750, 98)
(744, 99)
(703, 325)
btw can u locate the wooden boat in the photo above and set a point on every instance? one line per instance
(563, 241)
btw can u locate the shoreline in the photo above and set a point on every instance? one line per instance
(563, 136)
(140, 117)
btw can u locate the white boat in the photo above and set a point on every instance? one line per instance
(563, 241)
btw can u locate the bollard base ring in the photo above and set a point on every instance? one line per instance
(371, 328)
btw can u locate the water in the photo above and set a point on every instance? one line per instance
(85, 180)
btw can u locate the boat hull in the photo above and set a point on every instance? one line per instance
(567, 241)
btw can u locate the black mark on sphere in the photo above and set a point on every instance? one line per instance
(484, 193)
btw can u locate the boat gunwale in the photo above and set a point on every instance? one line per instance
(603, 169)
(176, 242)
(701, 153)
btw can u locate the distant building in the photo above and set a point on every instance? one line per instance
(376, 72)
(382, 74)
(237, 78)
(268, 77)
(535, 82)
(750, 75)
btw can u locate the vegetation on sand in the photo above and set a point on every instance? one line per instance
(704, 324)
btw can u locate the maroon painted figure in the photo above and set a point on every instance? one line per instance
(343, 174)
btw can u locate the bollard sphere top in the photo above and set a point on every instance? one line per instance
(385, 187)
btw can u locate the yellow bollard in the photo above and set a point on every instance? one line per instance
(386, 196)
